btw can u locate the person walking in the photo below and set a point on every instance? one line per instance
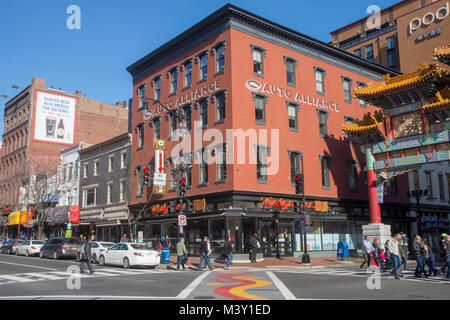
(446, 245)
(228, 251)
(430, 260)
(405, 251)
(254, 246)
(181, 254)
(395, 254)
(367, 250)
(443, 252)
(87, 257)
(418, 253)
(124, 238)
(205, 252)
(376, 249)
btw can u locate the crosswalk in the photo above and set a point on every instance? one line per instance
(407, 274)
(64, 275)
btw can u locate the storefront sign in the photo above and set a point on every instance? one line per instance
(199, 205)
(140, 236)
(68, 233)
(74, 214)
(428, 18)
(19, 217)
(256, 86)
(318, 206)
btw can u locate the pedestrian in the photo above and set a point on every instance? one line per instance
(166, 242)
(124, 239)
(205, 253)
(228, 251)
(430, 260)
(386, 250)
(181, 254)
(87, 257)
(367, 250)
(376, 248)
(418, 253)
(395, 254)
(254, 246)
(405, 251)
(443, 253)
(400, 250)
(447, 253)
(155, 243)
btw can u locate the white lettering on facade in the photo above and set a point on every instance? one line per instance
(428, 18)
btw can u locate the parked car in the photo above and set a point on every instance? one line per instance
(30, 247)
(7, 246)
(17, 245)
(97, 248)
(60, 247)
(130, 254)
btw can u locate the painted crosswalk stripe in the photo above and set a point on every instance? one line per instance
(16, 278)
(45, 276)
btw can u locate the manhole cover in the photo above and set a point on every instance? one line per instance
(204, 297)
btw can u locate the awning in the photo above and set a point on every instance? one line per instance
(58, 215)
(30, 224)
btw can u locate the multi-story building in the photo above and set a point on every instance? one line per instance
(401, 36)
(104, 188)
(264, 103)
(41, 121)
(409, 32)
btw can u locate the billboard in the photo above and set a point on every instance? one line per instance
(54, 119)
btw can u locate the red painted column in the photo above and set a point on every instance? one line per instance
(375, 212)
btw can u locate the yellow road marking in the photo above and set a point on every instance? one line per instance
(240, 291)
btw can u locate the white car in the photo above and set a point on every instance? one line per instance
(130, 254)
(99, 247)
(30, 247)
(17, 245)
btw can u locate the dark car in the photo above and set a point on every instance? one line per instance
(59, 247)
(7, 247)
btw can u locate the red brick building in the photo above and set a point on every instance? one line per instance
(237, 71)
(41, 121)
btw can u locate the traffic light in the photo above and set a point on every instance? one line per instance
(146, 176)
(172, 207)
(181, 187)
(189, 205)
(299, 184)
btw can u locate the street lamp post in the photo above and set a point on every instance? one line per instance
(418, 193)
(305, 257)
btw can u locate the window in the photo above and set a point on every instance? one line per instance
(369, 52)
(393, 190)
(293, 116)
(258, 67)
(352, 174)
(141, 137)
(222, 162)
(261, 164)
(89, 197)
(203, 167)
(290, 70)
(173, 81)
(357, 52)
(187, 74)
(96, 166)
(69, 176)
(295, 165)
(320, 75)
(429, 181)
(64, 174)
(347, 83)
(85, 171)
(362, 103)
(158, 88)
(323, 116)
(188, 117)
(109, 194)
(157, 127)
(390, 43)
(220, 106)
(204, 113)
(260, 108)
(324, 163)
(122, 190)
(142, 103)
(441, 187)
(392, 59)
(110, 164)
(203, 66)
(220, 59)
(123, 160)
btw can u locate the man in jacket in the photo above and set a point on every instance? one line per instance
(181, 253)
(446, 244)
(86, 258)
(205, 252)
(254, 246)
(367, 250)
(405, 252)
(418, 253)
(395, 254)
(228, 251)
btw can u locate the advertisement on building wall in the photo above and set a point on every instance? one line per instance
(54, 119)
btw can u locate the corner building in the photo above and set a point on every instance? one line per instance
(238, 71)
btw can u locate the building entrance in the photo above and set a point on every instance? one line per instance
(270, 243)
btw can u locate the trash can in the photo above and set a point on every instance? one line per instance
(165, 255)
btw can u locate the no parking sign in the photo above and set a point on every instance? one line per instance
(182, 221)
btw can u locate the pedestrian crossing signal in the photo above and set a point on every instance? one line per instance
(146, 176)
(299, 185)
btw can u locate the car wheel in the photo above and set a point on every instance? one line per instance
(27, 253)
(55, 255)
(41, 254)
(17, 252)
(126, 263)
(101, 260)
(94, 258)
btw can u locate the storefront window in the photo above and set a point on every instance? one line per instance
(217, 234)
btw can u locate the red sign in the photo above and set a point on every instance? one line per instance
(74, 214)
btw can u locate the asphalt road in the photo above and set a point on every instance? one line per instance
(33, 278)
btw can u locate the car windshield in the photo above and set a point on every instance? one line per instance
(107, 245)
(73, 241)
(37, 242)
(137, 246)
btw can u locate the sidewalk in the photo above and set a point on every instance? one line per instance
(267, 264)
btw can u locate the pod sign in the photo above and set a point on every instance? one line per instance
(428, 18)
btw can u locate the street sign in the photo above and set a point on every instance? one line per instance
(68, 233)
(69, 226)
(140, 236)
(159, 179)
(182, 220)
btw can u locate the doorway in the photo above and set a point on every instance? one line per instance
(269, 243)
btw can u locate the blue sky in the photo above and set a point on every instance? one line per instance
(35, 41)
